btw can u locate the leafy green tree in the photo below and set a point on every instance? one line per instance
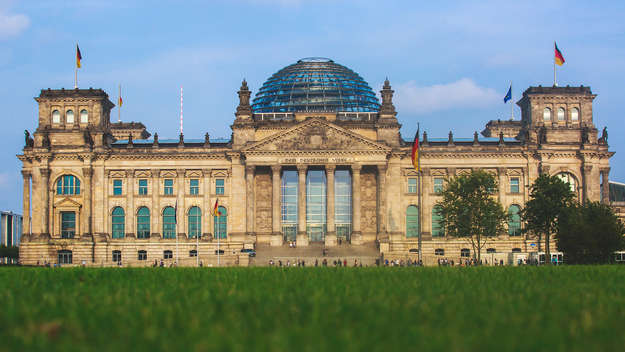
(549, 198)
(470, 211)
(589, 233)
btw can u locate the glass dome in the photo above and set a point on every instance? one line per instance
(315, 84)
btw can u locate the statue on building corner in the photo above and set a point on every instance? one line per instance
(207, 140)
(155, 139)
(28, 141)
(604, 136)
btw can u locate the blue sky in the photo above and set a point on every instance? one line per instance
(450, 63)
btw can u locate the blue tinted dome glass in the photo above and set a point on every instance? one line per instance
(315, 84)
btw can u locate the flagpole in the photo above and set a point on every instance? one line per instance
(419, 199)
(197, 248)
(511, 103)
(119, 108)
(218, 237)
(75, 77)
(555, 83)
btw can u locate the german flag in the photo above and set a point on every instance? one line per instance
(78, 56)
(558, 55)
(216, 208)
(415, 151)
(121, 102)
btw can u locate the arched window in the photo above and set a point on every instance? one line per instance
(570, 179)
(143, 223)
(69, 117)
(575, 114)
(64, 256)
(119, 222)
(547, 114)
(514, 220)
(412, 221)
(465, 252)
(84, 116)
(56, 116)
(169, 222)
(437, 222)
(68, 185)
(221, 223)
(560, 114)
(195, 222)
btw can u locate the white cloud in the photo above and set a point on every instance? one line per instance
(12, 24)
(463, 93)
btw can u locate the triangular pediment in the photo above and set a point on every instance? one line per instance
(67, 203)
(316, 134)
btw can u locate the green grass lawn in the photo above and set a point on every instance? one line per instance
(566, 308)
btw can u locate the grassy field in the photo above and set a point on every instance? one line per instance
(309, 309)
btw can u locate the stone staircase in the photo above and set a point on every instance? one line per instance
(365, 254)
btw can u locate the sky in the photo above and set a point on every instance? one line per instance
(450, 63)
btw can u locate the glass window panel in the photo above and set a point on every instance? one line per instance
(412, 185)
(412, 221)
(84, 116)
(117, 187)
(56, 116)
(438, 184)
(143, 223)
(437, 219)
(143, 187)
(560, 114)
(316, 205)
(118, 223)
(195, 222)
(194, 186)
(514, 185)
(574, 114)
(68, 224)
(69, 117)
(219, 186)
(169, 222)
(514, 220)
(221, 223)
(169, 186)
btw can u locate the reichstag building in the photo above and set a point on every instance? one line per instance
(315, 159)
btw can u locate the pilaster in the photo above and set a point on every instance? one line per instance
(26, 175)
(356, 233)
(249, 184)
(45, 199)
(302, 238)
(330, 239)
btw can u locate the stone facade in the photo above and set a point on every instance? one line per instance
(556, 135)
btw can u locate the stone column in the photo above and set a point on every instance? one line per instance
(501, 180)
(382, 201)
(586, 180)
(605, 186)
(275, 199)
(207, 219)
(181, 227)
(26, 203)
(330, 239)
(129, 212)
(302, 238)
(45, 199)
(87, 173)
(155, 212)
(356, 232)
(249, 212)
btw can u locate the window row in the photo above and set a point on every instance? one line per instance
(168, 186)
(69, 116)
(143, 221)
(561, 114)
(169, 221)
(412, 221)
(466, 252)
(438, 185)
(65, 256)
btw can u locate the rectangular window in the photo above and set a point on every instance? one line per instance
(169, 186)
(438, 184)
(143, 255)
(194, 186)
(117, 256)
(219, 186)
(68, 224)
(117, 187)
(412, 185)
(143, 187)
(514, 185)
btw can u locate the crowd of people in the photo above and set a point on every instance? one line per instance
(316, 263)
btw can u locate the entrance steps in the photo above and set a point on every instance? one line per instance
(365, 254)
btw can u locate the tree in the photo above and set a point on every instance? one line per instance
(589, 233)
(470, 211)
(549, 198)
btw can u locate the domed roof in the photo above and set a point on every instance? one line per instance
(315, 84)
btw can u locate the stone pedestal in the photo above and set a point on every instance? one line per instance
(302, 240)
(330, 240)
(357, 238)
(276, 240)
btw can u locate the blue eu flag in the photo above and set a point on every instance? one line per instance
(508, 95)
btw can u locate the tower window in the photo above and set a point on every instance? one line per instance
(561, 114)
(84, 116)
(69, 117)
(575, 114)
(56, 116)
(547, 114)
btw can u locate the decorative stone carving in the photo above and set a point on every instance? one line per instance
(316, 137)
(263, 198)
(368, 201)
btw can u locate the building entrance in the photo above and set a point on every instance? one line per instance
(316, 205)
